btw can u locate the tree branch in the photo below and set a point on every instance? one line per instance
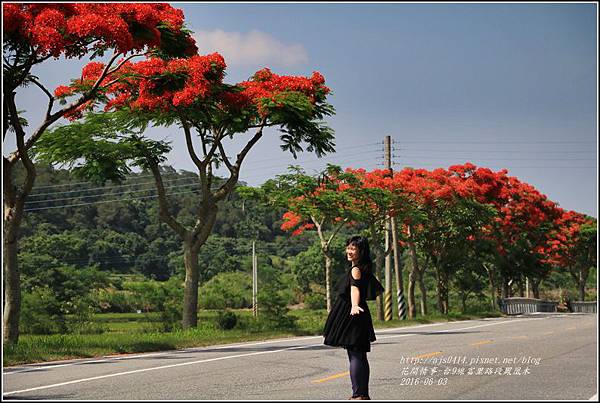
(225, 159)
(9, 189)
(226, 188)
(319, 227)
(29, 167)
(163, 203)
(218, 136)
(336, 230)
(202, 232)
(75, 104)
(253, 140)
(190, 145)
(4, 120)
(50, 96)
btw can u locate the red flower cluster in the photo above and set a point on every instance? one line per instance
(268, 86)
(561, 245)
(71, 28)
(522, 211)
(154, 83)
(157, 84)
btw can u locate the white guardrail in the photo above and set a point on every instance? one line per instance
(518, 305)
(583, 306)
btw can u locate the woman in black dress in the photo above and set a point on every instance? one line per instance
(349, 323)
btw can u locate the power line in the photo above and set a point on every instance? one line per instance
(108, 201)
(252, 167)
(110, 194)
(510, 166)
(497, 142)
(462, 151)
(127, 199)
(104, 189)
(149, 176)
(323, 159)
(502, 159)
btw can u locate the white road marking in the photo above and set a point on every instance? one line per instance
(156, 368)
(195, 349)
(246, 355)
(464, 328)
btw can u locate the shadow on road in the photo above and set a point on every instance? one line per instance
(38, 397)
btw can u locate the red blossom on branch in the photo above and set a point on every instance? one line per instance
(73, 29)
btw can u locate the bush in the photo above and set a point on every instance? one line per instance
(116, 301)
(315, 301)
(171, 315)
(41, 313)
(226, 290)
(81, 317)
(227, 320)
(273, 311)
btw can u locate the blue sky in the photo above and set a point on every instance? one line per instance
(500, 85)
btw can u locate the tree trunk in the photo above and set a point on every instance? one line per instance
(12, 279)
(442, 289)
(583, 276)
(412, 308)
(505, 288)
(328, 264)
(521, 288)
(463, 300)
(14, 206)
(190, 296)
(423, 290)
(416, 274)
(535, 287)
(490, 272)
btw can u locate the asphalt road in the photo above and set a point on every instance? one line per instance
(556, 354)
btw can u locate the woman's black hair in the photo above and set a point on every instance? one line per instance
(362, 244)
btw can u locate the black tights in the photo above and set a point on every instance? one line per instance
(359, 373)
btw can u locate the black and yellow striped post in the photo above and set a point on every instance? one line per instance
(387, 303)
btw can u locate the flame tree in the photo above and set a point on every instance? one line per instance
(188, 93)
(320, 203)
(34, 33)
(573, 247)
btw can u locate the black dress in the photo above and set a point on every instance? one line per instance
(354, 332)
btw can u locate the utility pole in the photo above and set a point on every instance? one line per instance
(398, 271)
(387, 304)
(254, 281)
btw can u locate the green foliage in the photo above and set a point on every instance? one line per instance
(226, 290)
(315, 300)
(41, 313)
(308, 267)
(273, 310)
(299, 121)
(112, 300)
(155, 295)
(171, 315)
(100, 148)
(81, 317)
(227, 320)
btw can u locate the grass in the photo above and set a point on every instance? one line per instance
(136, 333)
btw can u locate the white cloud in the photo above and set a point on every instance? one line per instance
(252, 48)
